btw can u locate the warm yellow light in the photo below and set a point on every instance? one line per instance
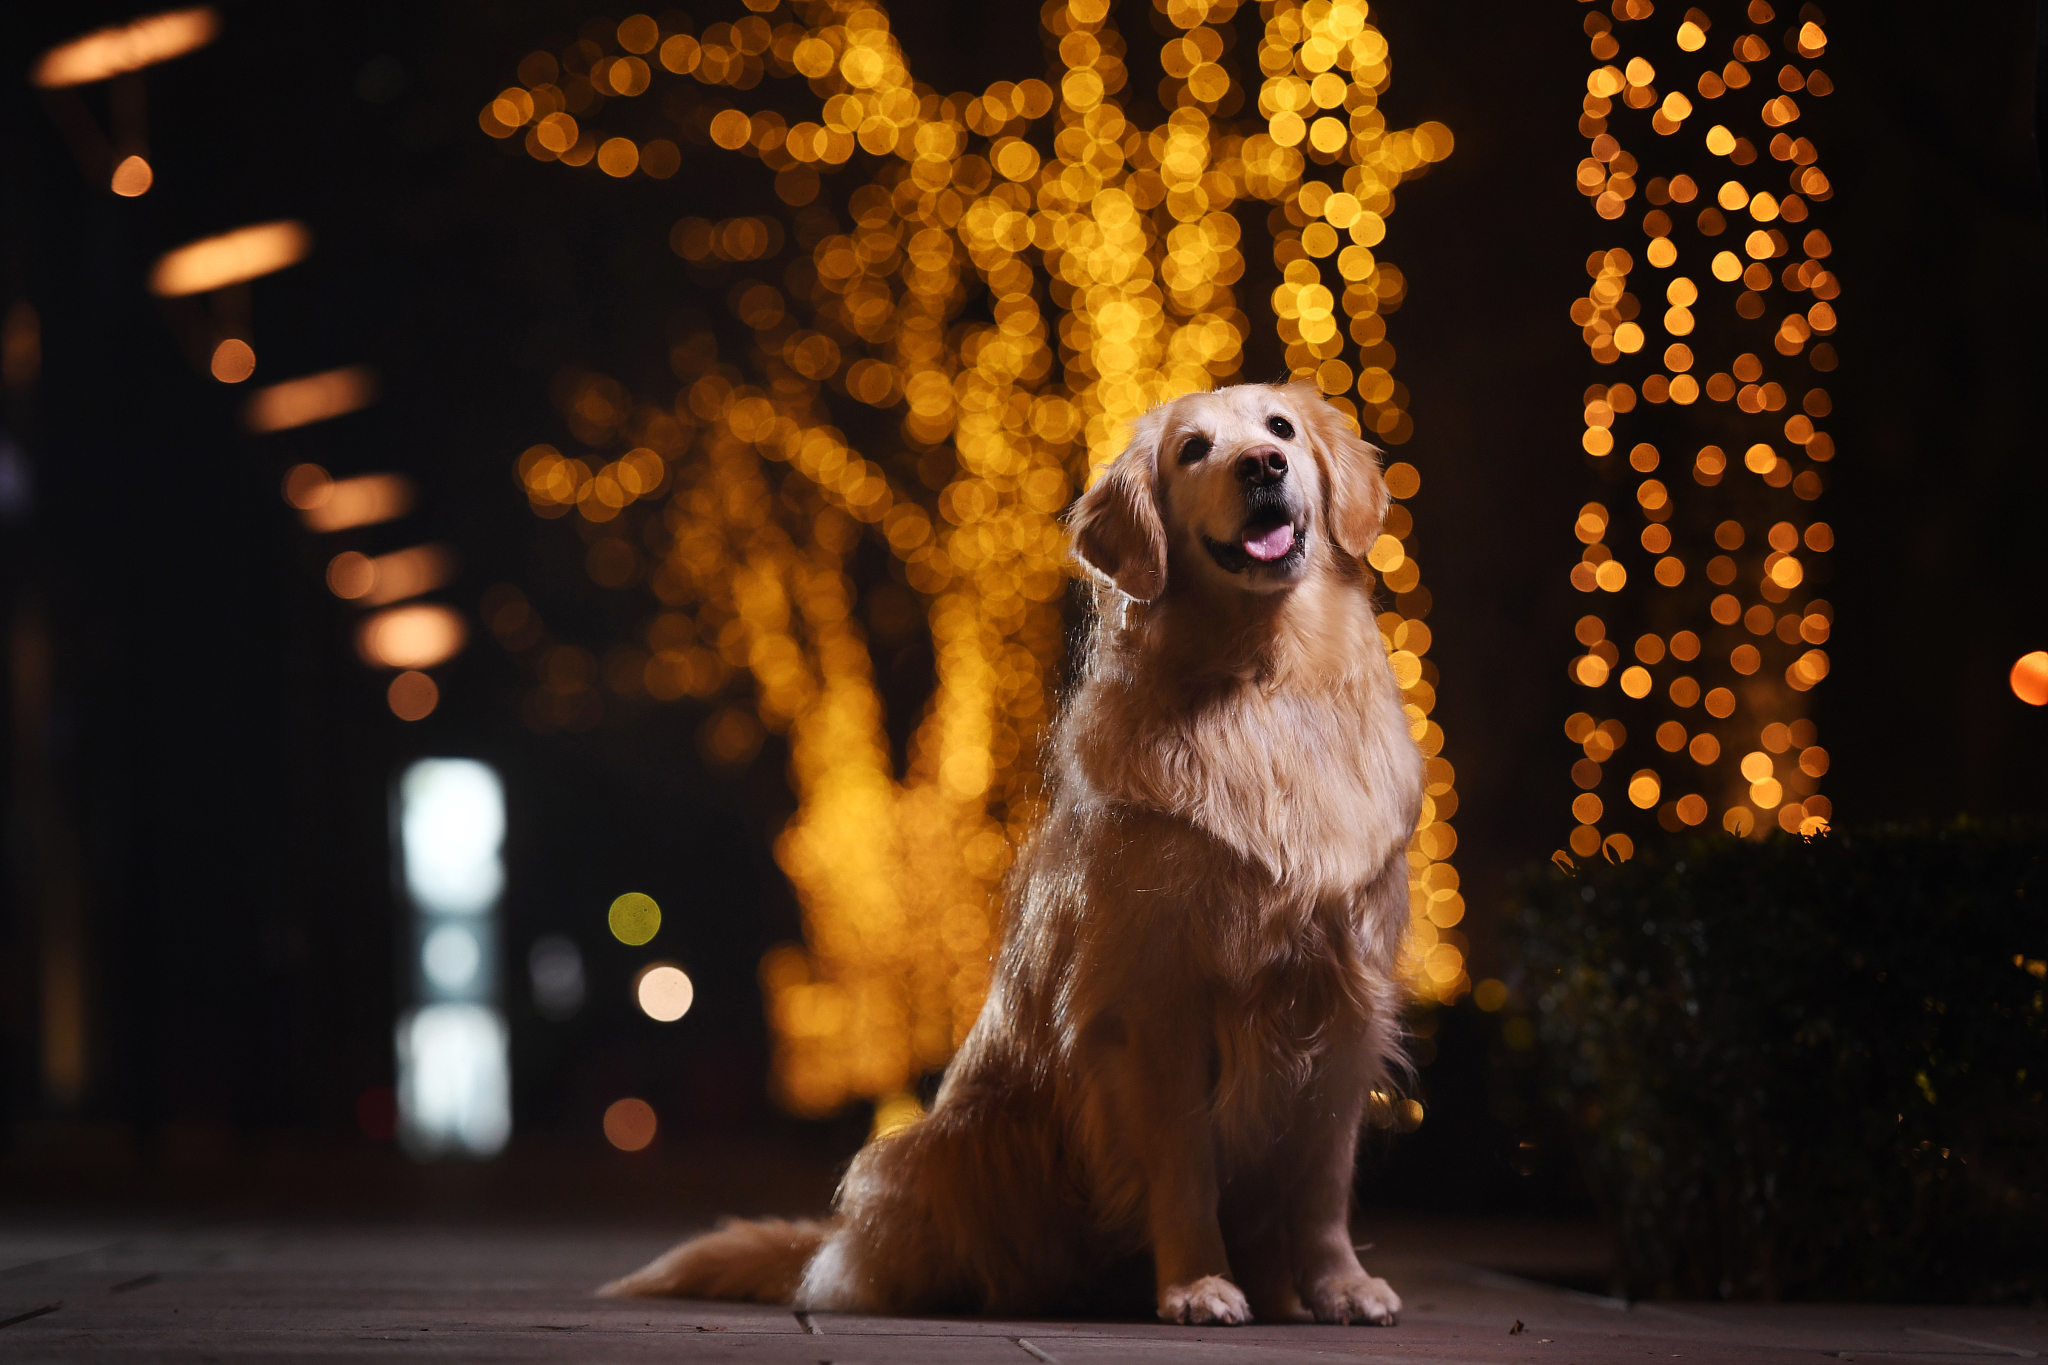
(1136, 236)
(618, 157)
(231, 258)
(416, 636)
(132, 178)
(131, 47)
(340, 504)
(234, 360)
(314, 398)
(390, 578)
(894, 1113)
(1608, 176)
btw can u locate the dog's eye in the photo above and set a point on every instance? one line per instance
(1280, 427)
(1197, 448)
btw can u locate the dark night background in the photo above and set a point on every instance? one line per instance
(199, 767)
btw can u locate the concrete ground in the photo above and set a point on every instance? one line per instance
(108, 1290)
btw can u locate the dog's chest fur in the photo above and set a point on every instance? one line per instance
(1304, 789)
(1317, 787)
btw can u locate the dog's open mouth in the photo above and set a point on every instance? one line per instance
(1269, 540)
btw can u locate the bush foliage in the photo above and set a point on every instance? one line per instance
(1805, 1068)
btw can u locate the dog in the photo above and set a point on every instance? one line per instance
(1197, 986)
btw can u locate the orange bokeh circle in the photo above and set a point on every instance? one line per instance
(629, 1124)
(2030, 678)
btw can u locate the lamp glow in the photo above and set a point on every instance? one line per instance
(454, 1075)
(452, 825)
(131, 47)
(454, 1091)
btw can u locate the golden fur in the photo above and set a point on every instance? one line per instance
(1196, 988)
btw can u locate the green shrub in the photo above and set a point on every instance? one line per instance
(1805, 1068)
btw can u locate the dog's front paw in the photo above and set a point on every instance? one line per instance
(1209, 1299)
(1354, 1298)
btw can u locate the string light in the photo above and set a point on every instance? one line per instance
(131, 47)
(231, 258)
(313, 398)
(1714, 635)
(1105, 254)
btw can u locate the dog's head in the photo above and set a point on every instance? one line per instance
(1240, 486)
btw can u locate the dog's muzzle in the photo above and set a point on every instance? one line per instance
(1270, 539)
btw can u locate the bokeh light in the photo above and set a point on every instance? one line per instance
(634, 918)
(231, 258)
(1006, 277)
(416, 636)
(313, 398)
(664, 992)
(629, 1124)
(1736, 606)
(412, 695)
(2030, 678)
(453, 832)
(450, 957)
(132, 178)
(129, 47)
(555, 965)
(342, 504)
(234, 360)
(374, 581)
(894, 1113)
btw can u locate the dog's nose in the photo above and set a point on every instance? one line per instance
(1261, 466)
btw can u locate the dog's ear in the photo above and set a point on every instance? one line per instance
(1116, 525)
(1357, 493)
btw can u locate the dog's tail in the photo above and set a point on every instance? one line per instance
(760, 1260)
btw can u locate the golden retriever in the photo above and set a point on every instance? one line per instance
(1197, 984)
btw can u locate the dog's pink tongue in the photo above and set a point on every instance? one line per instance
(1270, 544)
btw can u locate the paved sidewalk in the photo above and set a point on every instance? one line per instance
(107, 1292)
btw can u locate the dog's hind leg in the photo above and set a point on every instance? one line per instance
(962, 1210)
